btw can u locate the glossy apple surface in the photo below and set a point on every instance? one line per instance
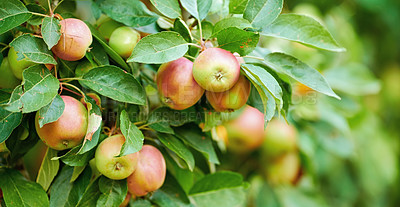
(17, 66)
(123, 40)
(7, 78)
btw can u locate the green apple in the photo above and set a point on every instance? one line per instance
(280, 138)
(17, 66)
(69, 130)
(232, 99)
(7, 78)
(176, 85)
(150, 172)
(123, 40)
(74, 41)
(216, 70)
(107, 26)
(285, 169)
(109, 164)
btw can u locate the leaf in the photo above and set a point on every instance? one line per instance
(237, 6)
(133, 136)
(36, 19)
(169, 8)
(113, 192)
(77, 171)
(132, 13)
(12, 14)
(32, 48)
(262, 13)
(181, 27)
(72, 158)
(51, 31)
(176, 145)
(18, 191)
(198, 8)
(299, 71)
(91, 195)
(140, 203)
(38, 89)
(8, 122)
(48, 169)
(99, 54)
(67, 68)
(159, 48)
(115, 83)
(173, 117)
(302, 29)
(236, 40)
(230, 22)
(170, 194)
(52, 111)
(94, 125)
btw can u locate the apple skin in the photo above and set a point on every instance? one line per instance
(285, 169)
(123, 40)
(109, 165)
(126, 201)
(69, 130)
(7, 78)
(17, 66)
(246, 132)
(232, 99)
(74, 41)
(106, 27)
(216, 70)
(280, 138)
(150, 172)
(176, 84)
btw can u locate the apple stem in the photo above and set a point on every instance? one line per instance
(51, 11)
(74, 87)
(254, 57)
(39, 14)
(118, 166)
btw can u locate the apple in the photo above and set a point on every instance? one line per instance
(82, 68)
(150, 172)
(280, 138)
(7, 78)
(126, 201)
(285, 169)
(74, 41)
(106, 26)
(123, 40)
(109, 164)
(69, 130)
(232, 99)
(246, 132)
(94, 96)
(17, 66)
(216, 70)
(176, 84)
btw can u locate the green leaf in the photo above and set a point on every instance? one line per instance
(18, 191)
(94, 125)
(132, 13)
(36, 19)
(236, 40)
(38, 89)
(115, 83)
(8, 122)
(48, 169)
(302, 29)
(169, 8)
(51, 31)
(237, 6)
(299, 71)
(176, 145)
(198, 8)
(196, 139)
(52, 111)
(181, 27)
(67, 68)
(12, 13)
(72, 158)
(170, 194)
(140, 203)
(230, 22)
(219, 189)
(32, 48)
(133, 136)
(98, 53)
(173, 117)
(159, 48)
(262, 13)
(113, 192)
(91, 195)
(77, 171)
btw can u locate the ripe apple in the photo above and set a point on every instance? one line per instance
(106, 26)
(109, 164)
(176, 84)
(285, 169)
(232, 99)
(150, 172)
(94, 96)
(246, 132)
(7, 78)
(123, 40)
(280, 138)
(69, 130)
(216, 70)
(17, 66)
(74, 41)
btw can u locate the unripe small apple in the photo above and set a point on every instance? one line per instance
(107, 26)
(216, 70)
(74, 41)
(232, 99)
(69, 130)
(123, 40)
(285, 169)
(280, 138)
(18, 66)
(109, 164)
(176, 84)
(150, 172)
(7, 78)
